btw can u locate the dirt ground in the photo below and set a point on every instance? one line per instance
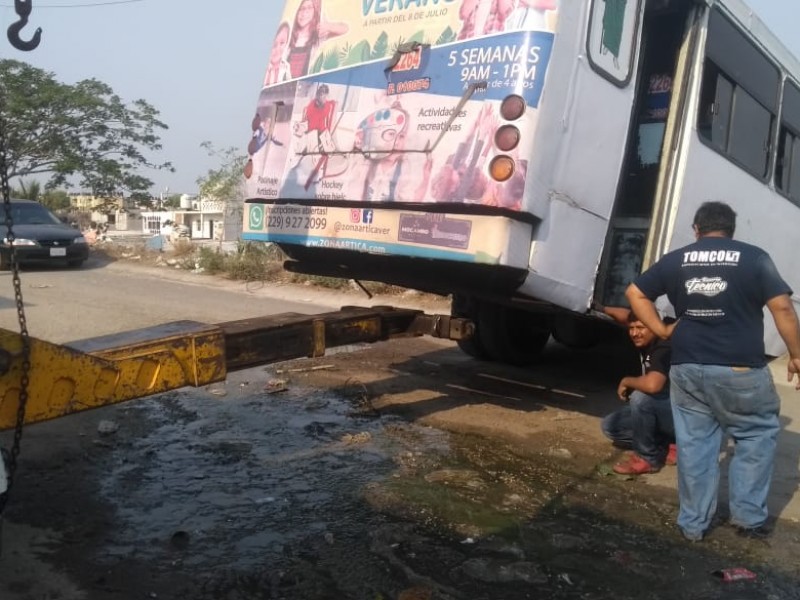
(400, 471)
(403, 470)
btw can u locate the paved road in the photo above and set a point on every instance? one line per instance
(104, 298)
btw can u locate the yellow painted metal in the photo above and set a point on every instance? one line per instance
(64, 379)
(318, 327)
(86, 374)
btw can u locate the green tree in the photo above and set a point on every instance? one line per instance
(52, 199)
(226, 182)
(55, 199)
(27, 191)
(143, 199)
(172, 201)
(108, 206)
(83, 131)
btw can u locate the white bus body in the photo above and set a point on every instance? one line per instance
(630, 124)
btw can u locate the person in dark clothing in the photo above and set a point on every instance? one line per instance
(719, 379)
(644, 423)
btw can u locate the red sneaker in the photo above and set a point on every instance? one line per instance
(635, 465)
(672, 455)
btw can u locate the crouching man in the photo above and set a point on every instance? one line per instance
(644, 424)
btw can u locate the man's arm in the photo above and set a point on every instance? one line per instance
(788, 326)
(620, 314)
(645, 310)
(651, 383)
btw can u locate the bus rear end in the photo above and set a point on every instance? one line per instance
(392, 142)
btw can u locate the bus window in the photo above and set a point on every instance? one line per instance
(611, 43)
(787, 168)
(651, 137)
(717, 100)
(739, 97)
(750, 134)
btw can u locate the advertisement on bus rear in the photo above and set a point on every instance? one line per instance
(465, 238)
(382, 101)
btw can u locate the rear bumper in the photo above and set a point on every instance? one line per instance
(38, 254)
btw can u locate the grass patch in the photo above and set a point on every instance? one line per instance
(254, 262)
(250, 262)
(211, 260)
(332, 283)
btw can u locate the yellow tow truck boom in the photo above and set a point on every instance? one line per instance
(77, 376)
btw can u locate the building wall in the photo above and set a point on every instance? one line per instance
(203, 225)
(83, 201)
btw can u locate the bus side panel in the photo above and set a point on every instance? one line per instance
(764, 217)
(565, 256)
(584, 124)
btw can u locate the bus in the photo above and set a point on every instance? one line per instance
(528, 157)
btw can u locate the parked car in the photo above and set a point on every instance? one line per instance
(40, 237)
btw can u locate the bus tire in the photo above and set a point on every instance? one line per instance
(578, 333)
(466, 307)
(512, 336)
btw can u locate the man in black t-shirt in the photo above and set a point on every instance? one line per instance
(719, 379)
(645, 422)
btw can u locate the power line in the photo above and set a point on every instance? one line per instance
(88, 5)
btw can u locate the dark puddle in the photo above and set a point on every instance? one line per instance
(300, 495)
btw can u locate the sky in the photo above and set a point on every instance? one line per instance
(199, 62)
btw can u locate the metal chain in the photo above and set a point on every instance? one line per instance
(23, 326)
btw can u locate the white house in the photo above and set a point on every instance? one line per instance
(204, 218)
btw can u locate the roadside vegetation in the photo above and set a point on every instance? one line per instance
(249, 262)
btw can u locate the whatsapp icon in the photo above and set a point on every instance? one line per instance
(256, 217)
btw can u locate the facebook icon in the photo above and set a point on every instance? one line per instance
(368, 216)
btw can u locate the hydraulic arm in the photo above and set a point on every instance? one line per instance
(77, 376)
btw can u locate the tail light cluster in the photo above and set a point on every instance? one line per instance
(506, 138)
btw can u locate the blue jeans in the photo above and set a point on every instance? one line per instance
(644, 424)
(707, 401)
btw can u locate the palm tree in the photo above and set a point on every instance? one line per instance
(29, 191)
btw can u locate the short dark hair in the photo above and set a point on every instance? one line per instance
(323, 89)
(715, 216)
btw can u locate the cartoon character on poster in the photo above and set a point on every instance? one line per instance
(381, 137)
(278, 69)
(309, 30)
(507, 15)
